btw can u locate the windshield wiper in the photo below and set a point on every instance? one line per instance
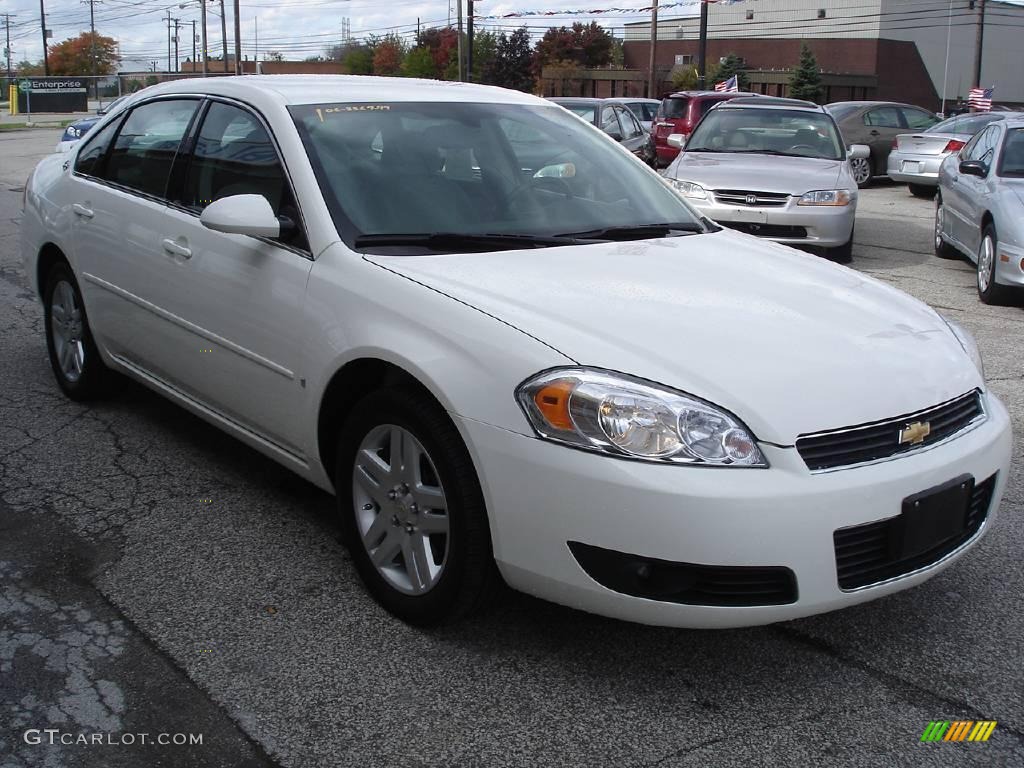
(777, 153)
(637, 231)
(462, 241)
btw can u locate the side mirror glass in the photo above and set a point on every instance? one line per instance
(676, 140)
(241, 215)
(858, 152)
(973, 168)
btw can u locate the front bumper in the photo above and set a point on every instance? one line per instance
(1009, 265)
(809, 225)
(908, 168)
(541, 496)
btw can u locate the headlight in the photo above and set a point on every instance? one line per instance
(688, 189)
(826, 197)
(968, 343)
(72, 131)
(618, 415)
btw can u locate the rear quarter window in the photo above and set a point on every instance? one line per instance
(674, 108)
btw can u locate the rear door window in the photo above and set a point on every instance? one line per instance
(148, 144)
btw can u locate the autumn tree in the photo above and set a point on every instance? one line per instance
(86, 54)
(511, 66)
(441, 45)
(387, 58)
(585, 45)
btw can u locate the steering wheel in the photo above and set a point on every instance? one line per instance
(553, 184)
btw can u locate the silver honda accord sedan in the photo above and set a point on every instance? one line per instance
(916, 157)
(773, 168)
(979, 209)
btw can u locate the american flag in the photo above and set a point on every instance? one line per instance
(732, 86)
(979, 99)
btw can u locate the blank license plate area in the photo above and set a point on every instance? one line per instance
(911, 167)
(934, 516)
(748, 216)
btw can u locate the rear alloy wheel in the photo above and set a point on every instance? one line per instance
(942, 249)
(989, 290)
(412, 510)
(922, 190)
(74, 358)
(861, 170)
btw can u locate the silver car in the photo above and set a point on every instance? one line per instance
(979, 209)
(916, 157)
(774, 168)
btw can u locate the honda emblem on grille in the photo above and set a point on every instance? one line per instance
(915, 433)
(751, 199)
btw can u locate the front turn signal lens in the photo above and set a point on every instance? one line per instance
(552, 401)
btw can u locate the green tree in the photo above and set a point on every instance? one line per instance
(358, 60)
(683, 77)
(28, 69)
(806, 80)
(419, 62)
(729, 66)
(485, 49)
(512, 66)
(585, 45)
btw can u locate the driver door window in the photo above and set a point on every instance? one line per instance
(609, 124)
(883, 117)
(628, 125)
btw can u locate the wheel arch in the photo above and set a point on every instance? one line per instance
(49, 255)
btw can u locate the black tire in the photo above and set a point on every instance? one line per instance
(993, 293)
(94, 379)
(844, 253)
(469, 579)
(864, 168)
(922, 190)
(942, 249)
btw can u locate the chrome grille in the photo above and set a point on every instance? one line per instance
(880, 440)
(753, 199)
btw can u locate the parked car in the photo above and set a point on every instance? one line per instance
(511, 350)
(611, 117)
(771, 167)
(74, 132)
(678, 114)
(643, 109)
(979, 208)
(915, 157)
(876, 124)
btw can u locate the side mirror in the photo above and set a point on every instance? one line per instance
(677, 140)
(559, 171)
(241, 215)
(858, 152)
(973, 168)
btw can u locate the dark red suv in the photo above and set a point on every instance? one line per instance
(679, 113)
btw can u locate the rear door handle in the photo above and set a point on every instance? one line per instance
(177, 249)
(81, 210)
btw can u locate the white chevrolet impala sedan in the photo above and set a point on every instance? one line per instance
(513, 352)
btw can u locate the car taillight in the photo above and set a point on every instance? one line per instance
(954, 145)
(895, 144)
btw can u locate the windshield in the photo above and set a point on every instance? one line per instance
(476, 169)
(796, 133)
(1012, 162)
(968, 124)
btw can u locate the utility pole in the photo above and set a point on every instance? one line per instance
(256, 23)
(177, 56)
(238, 40)
(206, 49)
(7, 26)
(702, 48)
(193, 45)
(224, 35)
(461, 78)
(469, 39)
(92, 41)
(652, 83)
(168, 41)
(978, 48)
(42, 22)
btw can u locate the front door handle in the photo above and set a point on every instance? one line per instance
(177, 249)
(81, 210)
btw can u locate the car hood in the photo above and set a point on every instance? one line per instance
(788, 342)
(761, 173)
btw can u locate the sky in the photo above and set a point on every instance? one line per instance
(296, 28)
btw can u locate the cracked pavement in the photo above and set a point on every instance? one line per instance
(159, 576)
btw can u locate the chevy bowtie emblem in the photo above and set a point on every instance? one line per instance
(915, 433)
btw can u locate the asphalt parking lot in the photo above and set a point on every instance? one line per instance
(159, 577)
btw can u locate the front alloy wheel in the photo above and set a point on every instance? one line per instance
(412, 510)
(861, 170)
(400, 509)
(989, 291)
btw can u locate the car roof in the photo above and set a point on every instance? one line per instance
(631, 100)
(770, 102)
(713, 94)
(873, 104)
(324, 89)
